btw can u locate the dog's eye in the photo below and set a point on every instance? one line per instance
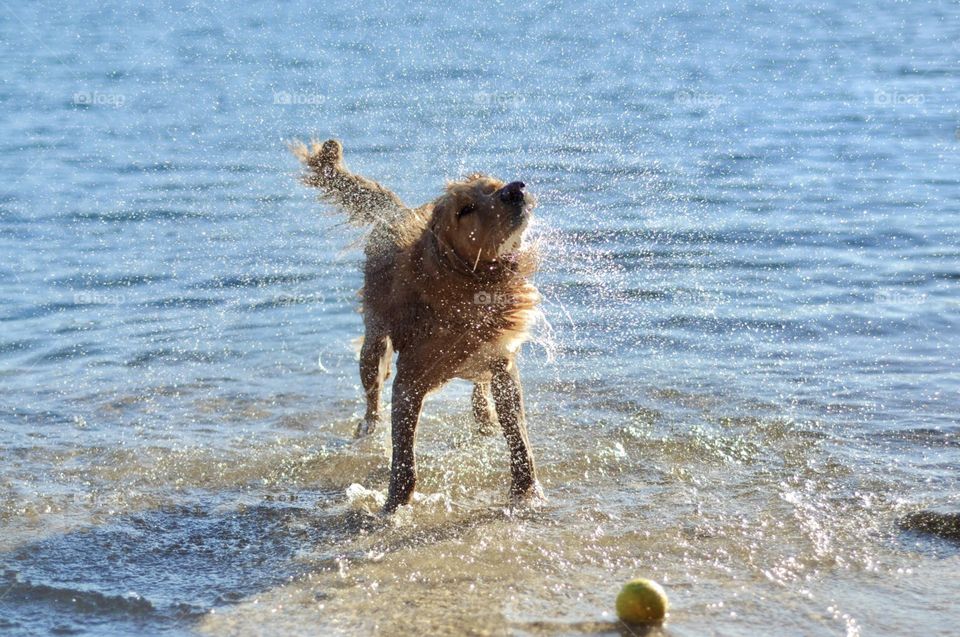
(466, 210)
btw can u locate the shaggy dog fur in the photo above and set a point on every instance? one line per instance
(447, 287)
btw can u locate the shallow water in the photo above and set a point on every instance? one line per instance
(750, 223)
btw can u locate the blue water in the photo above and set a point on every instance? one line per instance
(751, 237)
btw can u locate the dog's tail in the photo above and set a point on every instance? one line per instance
(364, 200)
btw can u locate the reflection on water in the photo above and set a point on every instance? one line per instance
(747, 388)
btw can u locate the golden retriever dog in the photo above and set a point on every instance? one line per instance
(447, 287)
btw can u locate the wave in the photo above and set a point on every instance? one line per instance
(17, 346)
(79, 599)
(146, 214)
(184, 302)
(40, 310)
(108, 281)
(69, 352)
(253, 281)
(172, 356)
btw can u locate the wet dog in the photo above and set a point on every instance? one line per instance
(446, 286)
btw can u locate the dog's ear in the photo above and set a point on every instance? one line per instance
(441, 206)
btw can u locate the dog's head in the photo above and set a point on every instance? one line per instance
(482, 219)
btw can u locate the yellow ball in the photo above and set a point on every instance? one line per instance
(642, 601)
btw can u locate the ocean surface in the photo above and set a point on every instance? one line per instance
(750, 221)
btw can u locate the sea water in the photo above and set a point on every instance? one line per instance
(749, 371)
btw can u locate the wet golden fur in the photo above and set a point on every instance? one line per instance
(447, 286)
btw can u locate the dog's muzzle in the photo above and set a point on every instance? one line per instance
(512, 193)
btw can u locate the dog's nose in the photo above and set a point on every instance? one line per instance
(512, 192)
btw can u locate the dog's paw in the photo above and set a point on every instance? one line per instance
(366, 427)
(531, 498)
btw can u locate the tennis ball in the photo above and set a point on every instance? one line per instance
(642, 601)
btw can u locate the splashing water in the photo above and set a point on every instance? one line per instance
(748, 371)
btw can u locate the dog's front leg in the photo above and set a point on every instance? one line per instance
(508, 397)
(408, 394)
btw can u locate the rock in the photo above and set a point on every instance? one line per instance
(942, 523)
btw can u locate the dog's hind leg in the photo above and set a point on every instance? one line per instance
(483, 411)
(508, 396)
(375, 358)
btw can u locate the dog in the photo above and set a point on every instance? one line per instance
(447, 287)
